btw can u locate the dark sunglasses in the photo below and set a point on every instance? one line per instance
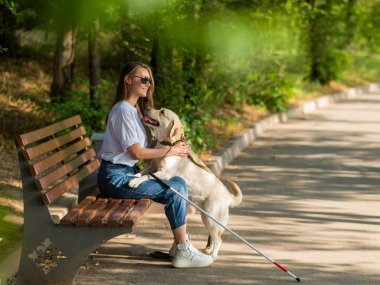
(144, 80)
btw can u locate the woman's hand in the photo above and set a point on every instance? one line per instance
(180, 149)
(137, 152)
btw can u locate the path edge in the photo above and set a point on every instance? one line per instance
(228, 152)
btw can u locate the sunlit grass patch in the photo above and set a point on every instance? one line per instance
(10, 231)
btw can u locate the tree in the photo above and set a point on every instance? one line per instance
(370, 25)
(94, 62)
(330, 31)
(63, 66)
(66, 22)
(8, 25)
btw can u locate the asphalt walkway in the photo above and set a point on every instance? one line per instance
(311, 202)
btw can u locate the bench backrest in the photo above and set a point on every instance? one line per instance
(59, 157)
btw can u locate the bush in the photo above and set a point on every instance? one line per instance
(271, 90)
(198, 136)
(331, 64)
(78, 103)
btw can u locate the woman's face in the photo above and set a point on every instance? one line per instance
(140, 82)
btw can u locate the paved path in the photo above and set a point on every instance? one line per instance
(311, 202)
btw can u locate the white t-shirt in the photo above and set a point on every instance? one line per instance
(124, 128)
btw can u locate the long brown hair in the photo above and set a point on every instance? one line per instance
(123, 89)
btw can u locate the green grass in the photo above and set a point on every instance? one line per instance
(10, 233)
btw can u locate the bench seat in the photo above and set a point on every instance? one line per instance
(93, 211)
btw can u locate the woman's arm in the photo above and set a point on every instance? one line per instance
(137, 152)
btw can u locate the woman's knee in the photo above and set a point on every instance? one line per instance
(181, 184)
(179, 180)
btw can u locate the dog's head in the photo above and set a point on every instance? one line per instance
(165, 125)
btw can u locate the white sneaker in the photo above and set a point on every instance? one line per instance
(187, 256)
(174, 248)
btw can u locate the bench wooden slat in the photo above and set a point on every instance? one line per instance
(102, 216)
(45, 181)
(135, 215)
(90, 212)
(50, 145)
(42, 133)
(57, 157)
(119, 214)
(71, 217)
(54, 193)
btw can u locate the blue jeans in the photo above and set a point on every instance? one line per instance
(113, 182)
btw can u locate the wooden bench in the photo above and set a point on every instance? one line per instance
(65, 217)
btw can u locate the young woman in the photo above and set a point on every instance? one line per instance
(126, 142)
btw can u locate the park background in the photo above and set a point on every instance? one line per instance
(220, 64)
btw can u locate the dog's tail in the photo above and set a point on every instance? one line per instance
(236, 196)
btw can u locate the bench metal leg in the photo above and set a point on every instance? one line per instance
(55, 256)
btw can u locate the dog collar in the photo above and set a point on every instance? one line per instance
(171, 144)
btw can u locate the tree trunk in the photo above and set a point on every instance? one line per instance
(314, 50)
(9, 44)
(315, 44)
(154, 55)
(64, 60)
(94, 62)
(124, 24)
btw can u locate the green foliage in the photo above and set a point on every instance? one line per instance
(270, 90)
(10, 233)
(370, 25)
(78, 103)
(199, 137)
(8, 25)
(3, 49)
(331, 64)
(10, 5)
(206, 55)
(330, 27)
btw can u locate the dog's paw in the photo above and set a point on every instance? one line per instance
(134, 183)
(137, 174)
(207, 250)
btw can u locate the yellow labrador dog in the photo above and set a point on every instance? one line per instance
(205, 189)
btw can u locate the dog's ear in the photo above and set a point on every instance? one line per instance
(176, 130)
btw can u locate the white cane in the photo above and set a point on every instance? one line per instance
(226, 228)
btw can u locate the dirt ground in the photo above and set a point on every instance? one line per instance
(10, 184)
